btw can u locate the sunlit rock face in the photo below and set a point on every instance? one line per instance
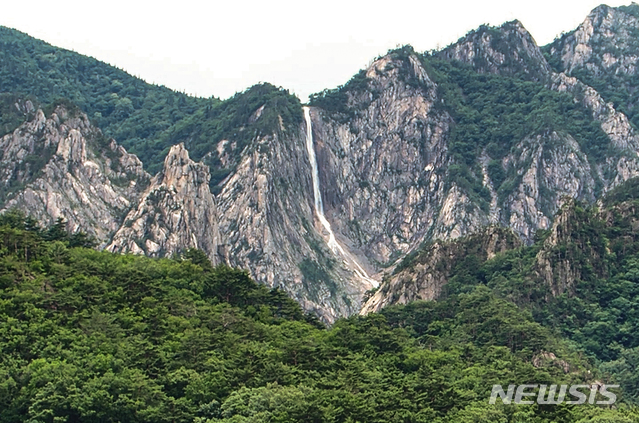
(175, 213)
(62, 166)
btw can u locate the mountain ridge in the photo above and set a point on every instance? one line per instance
(414, 148)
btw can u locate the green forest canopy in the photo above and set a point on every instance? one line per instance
(88, 336)
(599, 314)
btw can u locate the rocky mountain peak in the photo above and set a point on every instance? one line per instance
(181, 172)
(66, 168)
(606, 41)
(399, 64)
(387, 75)
(506, 50)
(72, 148)
(175, 213)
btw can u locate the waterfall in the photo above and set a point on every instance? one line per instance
(335, 247)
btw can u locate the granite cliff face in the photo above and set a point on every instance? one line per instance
(263, 220)
(383, 169)
(604, 44)
(603, 51)
(388, 163)
(550, 165)
(61, 166)
(176, 212)
(269, 225)
(548, 168)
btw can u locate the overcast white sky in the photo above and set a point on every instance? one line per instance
(221, 47)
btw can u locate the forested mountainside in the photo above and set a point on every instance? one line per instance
(125, 107)
(491, 189)
(578, 278)
(491, 131)
(58, 164)
(92, 336)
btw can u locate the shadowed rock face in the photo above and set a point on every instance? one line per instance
(62, 166)
(175, 213)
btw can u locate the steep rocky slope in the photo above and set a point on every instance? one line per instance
(423, 276)
(62, 166)
(586, 243)
(263, 218)
(585, 246)
(551, 165)
(392, 181)
(270, 227)
(597, 47)
(384, 168)
(604, 46)
(544, 169)
(416, 147)
(175, 213)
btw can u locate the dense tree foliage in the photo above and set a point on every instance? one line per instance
(124, 106)
(88, 336)
(494, 113)
(599, 311)
(261, 111)
(336, 100)
(497, 112)
(629, 190)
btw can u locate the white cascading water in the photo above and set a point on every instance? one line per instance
(335, 247)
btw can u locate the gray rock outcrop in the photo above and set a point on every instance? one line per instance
(176, 212)
(62, 166)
